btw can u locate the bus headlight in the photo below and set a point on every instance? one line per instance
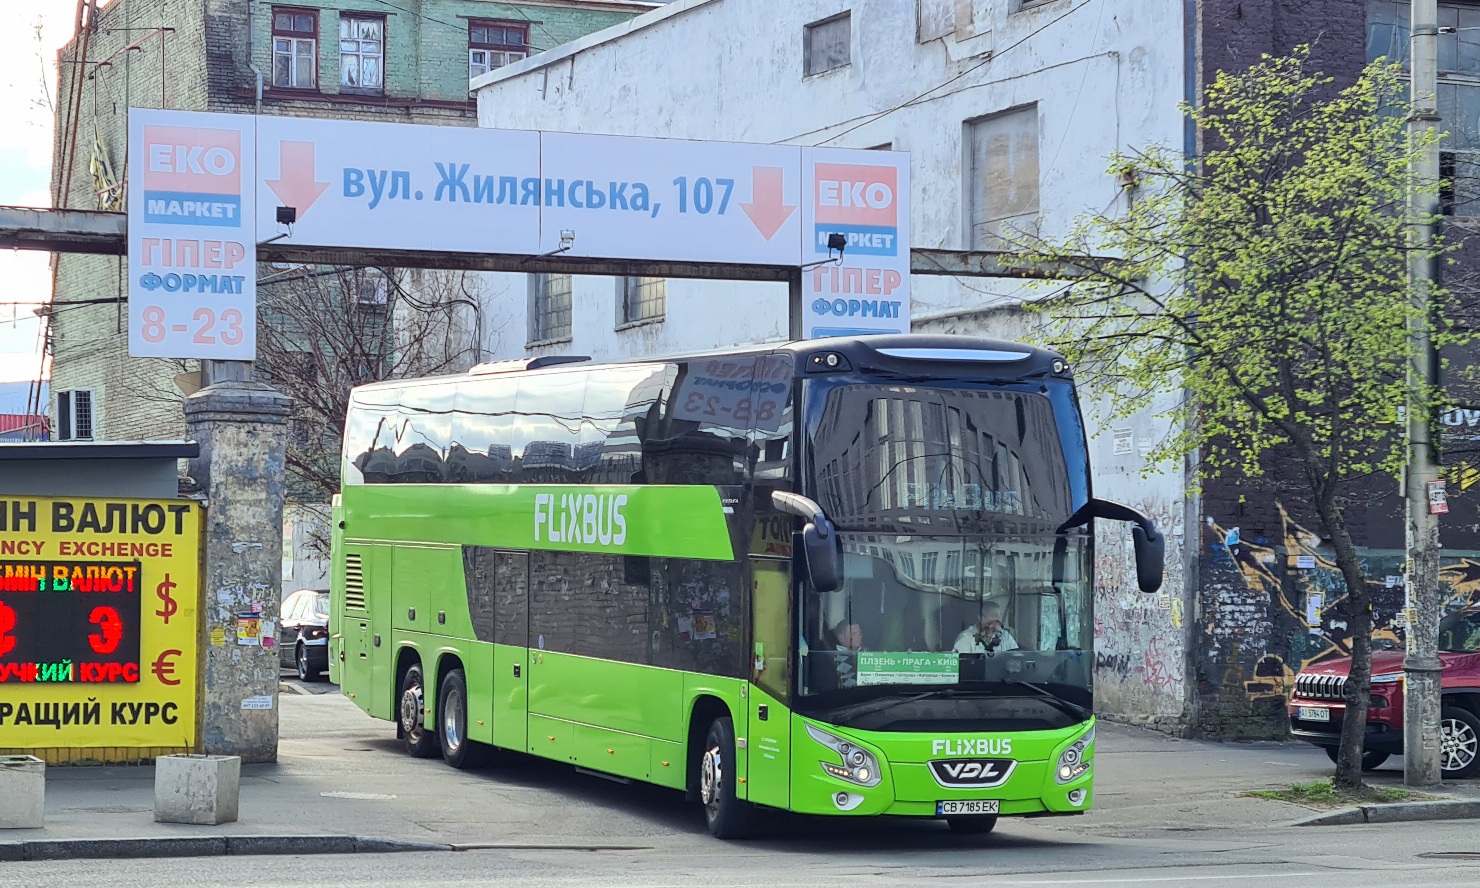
(858, 765)
(1075, 761)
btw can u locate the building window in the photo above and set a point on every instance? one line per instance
(643, 298)
(1003, 163)
(495, 44)
(295, 41)
(75, 415)
(361, 52)
(1459, 91)
(826, 44)
(549, 308)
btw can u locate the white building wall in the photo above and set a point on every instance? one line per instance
(1103, 75)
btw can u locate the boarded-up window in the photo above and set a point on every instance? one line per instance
(934, 19)
(826, 44)
(1002, 157)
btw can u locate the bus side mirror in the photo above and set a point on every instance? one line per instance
(1150, 543)
(1151, 548)
(821, 545)
(819, 540)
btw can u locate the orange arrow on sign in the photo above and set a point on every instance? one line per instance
(296, 185)
(767, 208)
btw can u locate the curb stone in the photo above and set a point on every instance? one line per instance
(1396, 812)
(204, 846)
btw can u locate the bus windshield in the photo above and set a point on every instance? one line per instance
(948, 499)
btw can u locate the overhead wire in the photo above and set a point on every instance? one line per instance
(995, 54)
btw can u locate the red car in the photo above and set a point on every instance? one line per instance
(1316, 707)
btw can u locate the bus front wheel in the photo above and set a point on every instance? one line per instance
(410, 723)
(727, 816)
(978, 825)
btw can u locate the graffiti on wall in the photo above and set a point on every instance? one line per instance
(1272, 603)
(1140, 647)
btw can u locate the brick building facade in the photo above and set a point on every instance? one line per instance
(1269, 597)
(404, 62)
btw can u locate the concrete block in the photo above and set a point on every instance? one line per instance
(203, 789)
(22, 791)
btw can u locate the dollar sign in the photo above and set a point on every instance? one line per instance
(7, 623)
(163, 591)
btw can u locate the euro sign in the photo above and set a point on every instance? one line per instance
(162, 670)
(110, 630)
(7, 623)
(169, 607)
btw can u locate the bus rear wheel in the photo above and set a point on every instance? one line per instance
(452, 719)
(726, 815)
(411, 716)
(978, 825)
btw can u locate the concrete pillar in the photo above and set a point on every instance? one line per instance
(241, 427)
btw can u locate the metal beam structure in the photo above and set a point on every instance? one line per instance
(93, 231)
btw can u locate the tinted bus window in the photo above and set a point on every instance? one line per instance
(370, 436)
(425, 416)
(546, 427)
(701, 435)
(609, 450)
(480, 452)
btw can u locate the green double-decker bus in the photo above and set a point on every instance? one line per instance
(845, 576)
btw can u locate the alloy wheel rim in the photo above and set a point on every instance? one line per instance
(1459, 745)
(451, 731)
(302, 662)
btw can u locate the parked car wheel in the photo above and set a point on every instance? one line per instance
(420, 743)
(305, 671)
(1371, 761)
(1459, 743)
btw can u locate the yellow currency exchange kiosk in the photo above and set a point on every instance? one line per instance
(100, 630)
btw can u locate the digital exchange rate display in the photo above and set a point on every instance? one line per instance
(69, 621)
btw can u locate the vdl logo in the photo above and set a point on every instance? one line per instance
(192, 176)
(858, 202)
(972, 773)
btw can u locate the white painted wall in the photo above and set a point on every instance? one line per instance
(1103, 74)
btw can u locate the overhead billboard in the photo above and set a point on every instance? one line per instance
(191, 235)
(212, 181)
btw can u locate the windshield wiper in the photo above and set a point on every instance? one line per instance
(1065, 706)
(890, 704)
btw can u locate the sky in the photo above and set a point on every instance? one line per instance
(25, 165)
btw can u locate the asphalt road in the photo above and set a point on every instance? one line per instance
(1394, 856)
(1171, 815)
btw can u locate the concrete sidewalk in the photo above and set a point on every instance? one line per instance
(341, 774)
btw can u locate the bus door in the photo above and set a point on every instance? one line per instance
(769, 746)
(509, 580)
(773, 632)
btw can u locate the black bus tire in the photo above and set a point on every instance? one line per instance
(411, 715)
(978, 824)
(726, 815)
(452, 724)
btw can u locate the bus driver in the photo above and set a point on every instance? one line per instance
(987, 636)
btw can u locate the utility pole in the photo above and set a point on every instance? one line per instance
(1421, 666)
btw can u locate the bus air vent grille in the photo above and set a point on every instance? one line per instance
(354, 582)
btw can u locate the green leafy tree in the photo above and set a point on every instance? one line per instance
(1267, 284)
